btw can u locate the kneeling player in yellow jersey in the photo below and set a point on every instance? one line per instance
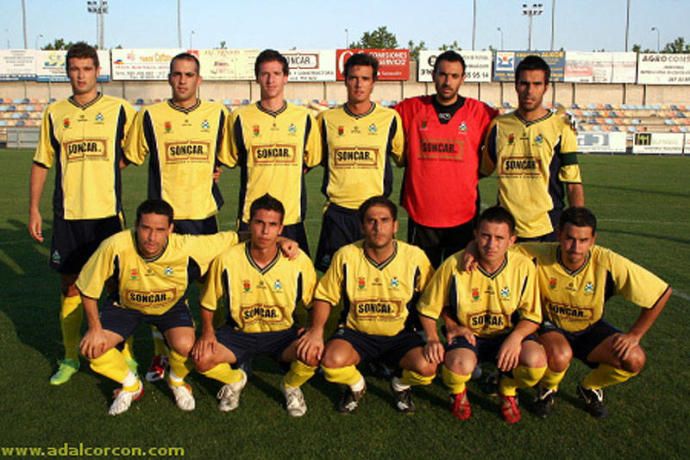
(261, 290)
(494, 313)
(153, 269)
(378, 281)
(576, 278)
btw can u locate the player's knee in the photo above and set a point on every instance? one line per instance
(203, 363)
(312, 362)
(459, 364)
(559, 358)
(426, 368)
(332, 359)
(635, 361)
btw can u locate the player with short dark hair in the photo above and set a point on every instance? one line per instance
(576, 279)
(274, 143)
(261, 290)
(378, 281)
(533, 150)
(186, 140)
(443, 137)
(83, 136)
(358, 139)
(493, 313)
(153, 269)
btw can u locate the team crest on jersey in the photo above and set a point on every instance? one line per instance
(395, 282)
(292, 129)
(475, 294)
(505, 293)
(361, 283)
(246, 285)
(463, 127)
(256, 130)
(56, 257)
(589, 288)
(134, 274)
(167, 126)
(205, 125)
(372, 129)
(65, 123)
(277, 285)
(168, 271)
(539, 139)
(511, 139)
(99, 117)
(341, 130)
(552, 283)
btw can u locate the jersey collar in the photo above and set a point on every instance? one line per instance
(184, 110)
(362, 115)
(269, 112)
(566, 269)
(264, 270)
(548, 115)
(88, 104)
(386, 262)
(496, 272)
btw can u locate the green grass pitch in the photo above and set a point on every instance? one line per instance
(643, 204)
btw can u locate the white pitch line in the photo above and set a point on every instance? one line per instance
(681, 294)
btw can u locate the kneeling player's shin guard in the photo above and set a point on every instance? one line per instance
(455, 382)
(111, 364)
(224, 373)
(348, 375)
(180, 366)
(552, 379)
(413, 378)
(298, 374)
(523, 377)
(605, 376)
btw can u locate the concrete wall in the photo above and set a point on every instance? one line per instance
(494, 92)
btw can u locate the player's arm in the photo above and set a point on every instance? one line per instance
(509, 353)
(489, 151)
(576, 194)
(211, 292)
(433, 349)
(310, 345)
(207, 341)
(312, 144)
(94, 341)
(624, 343)
(37, 181)
(455, 329)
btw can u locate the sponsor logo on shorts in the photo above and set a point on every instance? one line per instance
(355, 157)
(442, 149)
(187, 152)
(150, 299)
(262, 313)
(570, 312)
(489, 321)
(86, 149)
(274, 154)
(378, 310)
(521, 167)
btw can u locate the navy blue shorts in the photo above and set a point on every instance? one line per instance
(583, 342)
(208, 226)
(295, 232)
(74, 241)
(486, 348)
(246, 345)
(124, 321)
(340, 226)
(440, 243)
(388, 349)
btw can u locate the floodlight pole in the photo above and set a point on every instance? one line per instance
(658, 38)
(179, 24)
(530, 11)
(474, 23)
(501, 31)
(100, 8)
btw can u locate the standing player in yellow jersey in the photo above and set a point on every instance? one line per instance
(576, 279)
(153, 269)
(83, 136)
(274, 143)
(185, 138)
(493, 313)
(378, 281)
(358, 138)
(533, 151)
(261, 290)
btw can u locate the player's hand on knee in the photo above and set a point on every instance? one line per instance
(206, 344)
(434, 352)
(310, 346)
(509, 354)
(93, 343)
(623, 344)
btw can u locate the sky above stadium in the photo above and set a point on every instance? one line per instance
(583, 25)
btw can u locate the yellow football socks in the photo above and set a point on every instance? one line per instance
(605, 376)
(523, 377)
(111, 364)
(552, 379)
(455, 382)
(224, 373)
(298, 374)
(412, 378)
(180, 366)
(71, 314)
(348, 375)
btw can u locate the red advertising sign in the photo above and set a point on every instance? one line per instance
(394, 65)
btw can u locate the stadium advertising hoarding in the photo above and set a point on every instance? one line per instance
(663, 69)
(306, 65)
(394, 64)
(227, 64)
(17, 65)
(506, 62)
(596, 142)
(600, 67)
(478, 65)
(658, 143)
(50, 65)
(142, 64)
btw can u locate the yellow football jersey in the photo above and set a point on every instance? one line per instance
(356, 150)
(86, 144)
(152, 287)
(273, 150)
(185, 146)
(376, 298)
(533, 161)
(486, 303)
(259, 299)
(573, 301)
